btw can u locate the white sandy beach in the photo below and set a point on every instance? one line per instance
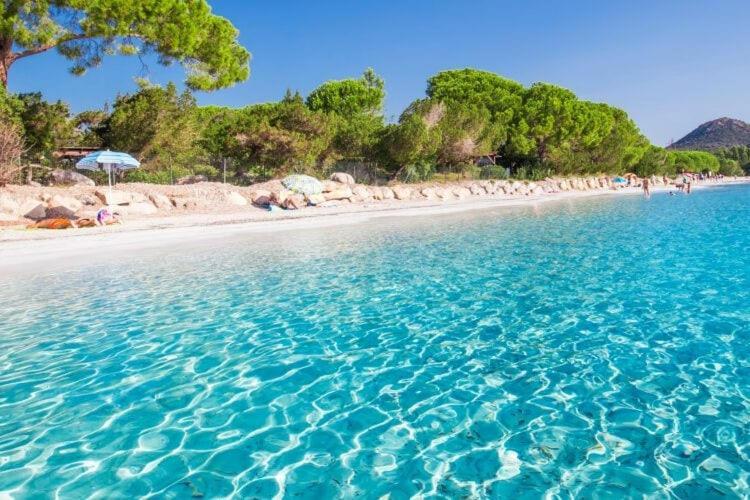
(20, 247)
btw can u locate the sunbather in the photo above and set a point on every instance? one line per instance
(105, 218)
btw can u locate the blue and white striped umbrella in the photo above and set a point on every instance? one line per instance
(108, 160)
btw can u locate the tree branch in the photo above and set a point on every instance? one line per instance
(46, 47)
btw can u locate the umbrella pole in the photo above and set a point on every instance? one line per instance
(109, 180)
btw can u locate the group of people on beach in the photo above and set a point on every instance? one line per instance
(104, 217)
(683, 182)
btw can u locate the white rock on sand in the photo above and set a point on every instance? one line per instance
(401, 192)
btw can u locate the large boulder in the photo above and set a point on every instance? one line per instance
(343, 178)
(62, 207)
(490, 186)
(461, 192)
(88, 199)
(477, 190)
(69, 178)
(362, 193)
(444, 194)
(401, 192)
(342, 192)
(387, 193)
(377, 192)
(429, 193)
(117, 197)
(32, 209)
(160, 201)
(315, 199)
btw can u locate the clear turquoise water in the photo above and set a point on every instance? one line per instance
(595, 349)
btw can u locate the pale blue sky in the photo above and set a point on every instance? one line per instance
(671, 64)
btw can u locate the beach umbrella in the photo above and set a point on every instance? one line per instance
(110, 162)
(303, 184)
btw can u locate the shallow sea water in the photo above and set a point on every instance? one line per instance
(597, 348)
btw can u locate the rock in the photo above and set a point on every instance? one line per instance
(62, 207)
(69, 178)
(461, 192)
(387, 193)
(138, 208)
(160, 201)
(192, 179)
(490, 186)
(477, 190)
(377, 193)
(117, 197)
(429, 193)
(537, 191)
(362, 193)
(401, 192)
(329, 186)
(88, 199)
(315, 199)
(443, 194)
(32, 209)
(34, 184)
(343, 178)
(235, 198)
(342, 192)
(294, 201)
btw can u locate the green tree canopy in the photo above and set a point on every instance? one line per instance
(472, 91)
(285, 137)
(349, 97)
(84, 31)
(157, 125)
(46, 126)
(355, 109)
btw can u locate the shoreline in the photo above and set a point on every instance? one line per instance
(24, 247)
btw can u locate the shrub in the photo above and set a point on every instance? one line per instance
(11, 148)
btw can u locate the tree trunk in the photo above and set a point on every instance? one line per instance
(6, 59)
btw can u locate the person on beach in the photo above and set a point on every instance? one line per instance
(646, 187)
(105, 218)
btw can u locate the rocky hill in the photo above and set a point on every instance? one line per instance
(721, 133)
